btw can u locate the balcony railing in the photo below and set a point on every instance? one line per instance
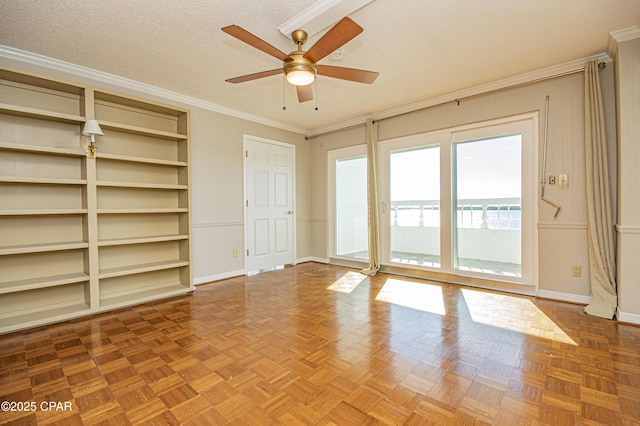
(485, 213)
(488, 234)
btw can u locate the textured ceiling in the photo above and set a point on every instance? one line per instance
(422, 49)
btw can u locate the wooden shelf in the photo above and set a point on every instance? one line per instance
(144, 296)
(45, 316)
(42, 150)
(42, 248)
(37, 283)
(141, 240)
(141, 160)
(40, 114)
(145, 267)
(42, 181)
(141, 211)
(134, 130)
(140, 185)
(41, 212)
(28, 81)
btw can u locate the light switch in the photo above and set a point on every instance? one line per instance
(563, 180)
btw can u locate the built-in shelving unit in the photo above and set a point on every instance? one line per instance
(80, 235)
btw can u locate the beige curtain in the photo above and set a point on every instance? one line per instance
(604, 299)
(372, 198)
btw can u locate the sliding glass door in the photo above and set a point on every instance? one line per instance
(487, 199)
(461, 201)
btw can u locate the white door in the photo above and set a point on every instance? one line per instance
(269, 203)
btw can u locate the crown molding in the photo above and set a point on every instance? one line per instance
(625, 34)
(619, 36)
(518, 80)
(321, 15)
(10, 56)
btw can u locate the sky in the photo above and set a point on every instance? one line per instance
(488, 168)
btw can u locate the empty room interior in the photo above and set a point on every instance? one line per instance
(320, 212)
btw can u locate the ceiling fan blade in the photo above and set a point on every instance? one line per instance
(351, 74)
(254, 76)
(337, 36)
(305, 93)
(252, 40)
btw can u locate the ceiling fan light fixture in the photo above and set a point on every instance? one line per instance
(300, 75)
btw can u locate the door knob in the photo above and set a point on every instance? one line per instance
(290, 212)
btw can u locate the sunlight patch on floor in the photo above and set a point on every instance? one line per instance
(347, 283)
(512, 313)
(424, 297)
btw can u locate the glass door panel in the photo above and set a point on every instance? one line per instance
(351, 221)
(487, 201)
(415, 206)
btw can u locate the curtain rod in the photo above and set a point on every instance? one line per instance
(601, 66)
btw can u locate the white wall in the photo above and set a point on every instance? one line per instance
(217, 191)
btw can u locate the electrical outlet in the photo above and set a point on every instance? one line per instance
(235, 252)
(576, 271)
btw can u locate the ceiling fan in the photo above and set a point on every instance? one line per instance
(301, 67)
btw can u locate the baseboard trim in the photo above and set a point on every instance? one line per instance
(630, 318)
(217, 277)
(565, 297)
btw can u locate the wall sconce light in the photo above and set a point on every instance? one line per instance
(92, 128)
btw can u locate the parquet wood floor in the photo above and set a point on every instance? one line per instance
(319, 344)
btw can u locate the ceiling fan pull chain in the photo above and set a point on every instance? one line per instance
(316, 93)
(284, 92)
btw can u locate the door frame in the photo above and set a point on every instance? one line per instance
(245, 140)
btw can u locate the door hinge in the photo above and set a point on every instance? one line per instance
(246, 154)
(247, 252)
(247, 203)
